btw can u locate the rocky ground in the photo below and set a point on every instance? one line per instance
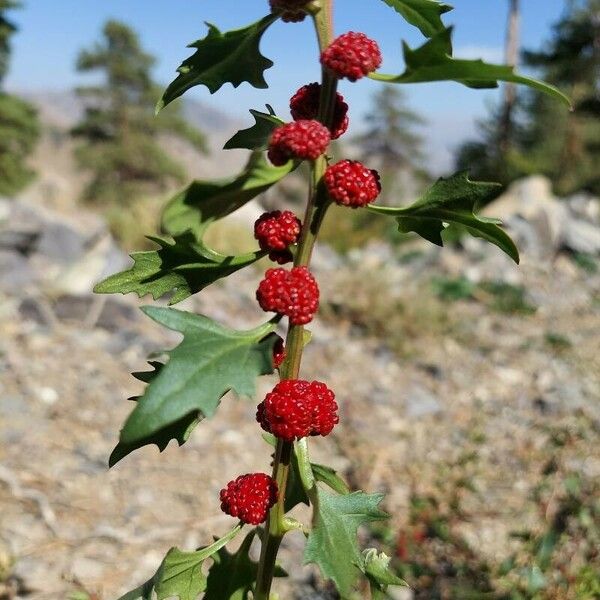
(429, 361)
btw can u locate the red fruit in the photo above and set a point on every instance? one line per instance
(324, 409)
(350, 183)
(275, 231)
(286, 412)
(306, 139)
(292, 10)
(352, 55)
(297, 408)
(279, 353)
(249, 497)
(304, 104)
(293, 293)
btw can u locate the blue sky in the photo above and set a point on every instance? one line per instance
(53, 31)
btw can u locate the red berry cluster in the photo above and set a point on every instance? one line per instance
(293, 293)
(350, 183)
(292, 11)
(306, 139)
(304, 104)
(249, 497)
(352, 55)
(275, 232)
(297, 408)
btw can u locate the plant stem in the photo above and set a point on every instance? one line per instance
(315, 211)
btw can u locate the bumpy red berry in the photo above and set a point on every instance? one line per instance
(304, 104)
(306, 139)
(297, 408)
(291, 10)
(286, 412)
(275, 232)
(293, 293)
(324, 409)
(279, 352)
(350, 183)
(249, 497)
(352, 55)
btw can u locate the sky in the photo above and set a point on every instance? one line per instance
(53, 31)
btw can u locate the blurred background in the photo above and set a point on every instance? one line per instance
(481, 377)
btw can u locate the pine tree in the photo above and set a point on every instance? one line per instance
(546, 138)
(119, 130)
(566, 146)
(391, 143)
(19, 128)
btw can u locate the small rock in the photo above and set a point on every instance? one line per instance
(47, 395)
(419, 402)
(581, 236)
(84, 569)
(15, 271)
(60, 243)
(21, 240)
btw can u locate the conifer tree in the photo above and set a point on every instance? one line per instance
(19, 128)
(566, 146)
(119, 130)
(563, 146)
(390, 140)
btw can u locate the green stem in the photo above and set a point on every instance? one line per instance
(316, 208)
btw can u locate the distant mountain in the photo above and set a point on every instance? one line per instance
(63, 108)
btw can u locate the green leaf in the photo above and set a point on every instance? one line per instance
(295, 493)
(332, 543)
(452, 200)
(204, 202)
(257, 136)
(210, 361)
(433, 62)
(232, 576)
(424, 14)
(231, 57)
(182, 267)
(377, 569)
(180, 573)
(329, 477)
(180, 430)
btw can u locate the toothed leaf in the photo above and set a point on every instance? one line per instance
(232, 576)
(204, 202)
(424, 14)
(220, 58)
(433, 62)
(181, 268)
(180, 573)
(377, 569)
(332, 543)
(452, 200)
(257, 136)
(210, 361)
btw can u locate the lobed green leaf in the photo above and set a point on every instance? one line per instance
(424, 14)
(332, 543)
(182, 267)
(231, 57)
(452, 200)
(433, 61)
(232, 576)
(257, 136)
(204, 202)
(210, 361)
(377, 569)
(180, 573)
